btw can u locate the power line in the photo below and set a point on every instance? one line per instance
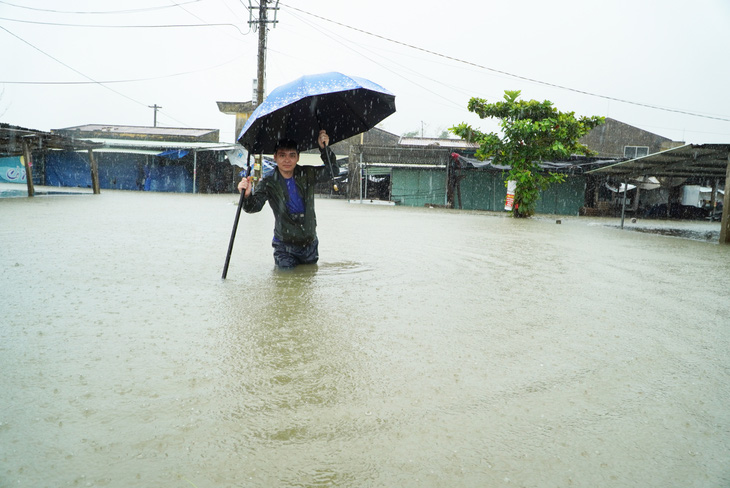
(99, 12)
(71, 68)
(100, 26)
(395, 72)
(532, 80)
(133, 80)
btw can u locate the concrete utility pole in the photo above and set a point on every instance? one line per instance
(156, 108)
(260, 24)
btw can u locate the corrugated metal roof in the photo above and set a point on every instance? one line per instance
(708, 160)
(138, 130)
(128, 132)
(121, 144)
(12, 137)
(433, 141)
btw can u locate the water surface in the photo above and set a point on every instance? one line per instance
(428, 348)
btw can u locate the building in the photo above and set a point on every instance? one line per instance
(616, 139)
(444, 172)
(422, 171)
(145, 159)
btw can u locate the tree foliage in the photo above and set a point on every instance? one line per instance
(532, 132)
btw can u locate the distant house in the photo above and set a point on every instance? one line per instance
(408, 171)
(145, 159)
(615, 139)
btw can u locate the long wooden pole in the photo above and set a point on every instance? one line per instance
(235, 221)
(94, 173)
(28, 167)
(195, 169)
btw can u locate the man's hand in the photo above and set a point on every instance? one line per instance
(323, 139)
(245, 185)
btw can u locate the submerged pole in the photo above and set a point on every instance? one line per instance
(28, 167)
(623, 204)
(235, 221)
(195, 168)
(94, 173)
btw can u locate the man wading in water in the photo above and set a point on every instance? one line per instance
(290, 193)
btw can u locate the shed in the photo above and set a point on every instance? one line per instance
(690, 160)
(146, 158)
(20, 146)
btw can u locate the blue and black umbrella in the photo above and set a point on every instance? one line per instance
(342, 105)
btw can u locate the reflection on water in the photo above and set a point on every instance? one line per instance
(427, 348)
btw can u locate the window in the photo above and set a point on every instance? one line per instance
(632, 152)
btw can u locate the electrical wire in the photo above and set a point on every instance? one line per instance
(72, 68)
(99, 26)
(100, 12)
(395, 72)
(512, 75)
(134, 80)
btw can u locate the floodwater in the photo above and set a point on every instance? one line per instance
(429, 348)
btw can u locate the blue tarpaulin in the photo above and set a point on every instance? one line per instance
(118, 172)
(174, 153)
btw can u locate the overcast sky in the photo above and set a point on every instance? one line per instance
(661, 66)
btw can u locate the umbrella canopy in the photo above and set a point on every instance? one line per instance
(342, 105)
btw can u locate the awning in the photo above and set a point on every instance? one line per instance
(708, 160)
(124, 145)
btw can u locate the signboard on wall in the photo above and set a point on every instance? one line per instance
(12, 170)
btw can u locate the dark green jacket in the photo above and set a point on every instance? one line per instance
(292, 229)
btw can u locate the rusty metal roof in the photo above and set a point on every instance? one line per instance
(13, 136)
(706, 160)
(177, 134)
(437, 142)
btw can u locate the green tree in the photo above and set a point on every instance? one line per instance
(532, 132)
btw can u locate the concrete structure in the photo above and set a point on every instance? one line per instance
(241, 110)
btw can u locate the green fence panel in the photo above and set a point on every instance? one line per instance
(481, 190)
(564, 198)
(418, 187)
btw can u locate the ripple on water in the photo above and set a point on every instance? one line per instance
(342, 267)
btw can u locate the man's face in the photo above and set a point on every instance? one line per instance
(286, 160)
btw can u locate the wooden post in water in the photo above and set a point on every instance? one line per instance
(28, 167)
(725, 223)
(94, 173)
(195, 169)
